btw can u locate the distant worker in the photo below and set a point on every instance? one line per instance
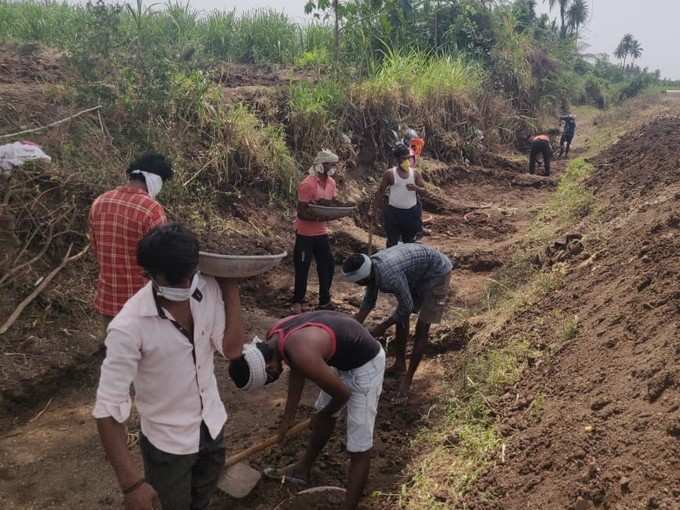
(402, 215)
(338, 355)
(419, 277)
(311, 232)
(567, 134)
(540, 144)
(416, 145)
(118, 220)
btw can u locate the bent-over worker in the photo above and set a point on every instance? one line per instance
(164, 340)
(419, 277)
(540, 144)
(340, 356)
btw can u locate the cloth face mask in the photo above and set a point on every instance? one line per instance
(177, 294)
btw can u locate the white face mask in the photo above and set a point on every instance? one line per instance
(331, 172)
(154, 182)
(178, 294)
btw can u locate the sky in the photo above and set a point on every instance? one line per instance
(652, 22)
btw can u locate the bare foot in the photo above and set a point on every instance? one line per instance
(395, 370)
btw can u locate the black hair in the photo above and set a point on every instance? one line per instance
(352, 263)
(170, 250)
(151, 162)
(401, 151)
(239, 371)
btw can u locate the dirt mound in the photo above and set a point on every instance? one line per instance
(595, 423)
(30, 63)
(644, 165)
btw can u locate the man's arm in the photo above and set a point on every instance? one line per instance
(139, 495)
(368, 304)
(234, 336)
(296, 383)
(419, 183)
(387, 180)
(402, 292)
(112, 409)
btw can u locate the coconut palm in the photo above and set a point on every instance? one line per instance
(623, 50)
(564, 7)
(636, 50)
(577, 15)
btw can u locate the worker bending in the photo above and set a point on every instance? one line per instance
(419, 277)
(340, 356)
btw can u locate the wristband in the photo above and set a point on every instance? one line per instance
(132, 488)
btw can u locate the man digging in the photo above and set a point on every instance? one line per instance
(164, 340)
(419, 277)
(340, 356)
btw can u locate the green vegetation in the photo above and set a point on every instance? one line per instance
(571, 202)
(464, 440)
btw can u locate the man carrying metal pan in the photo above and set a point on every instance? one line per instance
(311, 232)
(163, 340)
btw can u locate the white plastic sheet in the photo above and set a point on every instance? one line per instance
(13, 155)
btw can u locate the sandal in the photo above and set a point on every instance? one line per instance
(279, 475)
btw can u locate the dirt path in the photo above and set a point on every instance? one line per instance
(52, 459)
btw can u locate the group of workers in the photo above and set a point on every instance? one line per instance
(165, 321)
(541, 145)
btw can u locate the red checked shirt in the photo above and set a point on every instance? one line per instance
(118, 220)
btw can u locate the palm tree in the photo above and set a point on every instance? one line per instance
(623, 50)
(577, 15)
(636, 50)
(564, 7)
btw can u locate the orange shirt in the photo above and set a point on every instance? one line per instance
(311, 190)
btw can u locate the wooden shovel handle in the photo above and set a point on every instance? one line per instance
(294, 430)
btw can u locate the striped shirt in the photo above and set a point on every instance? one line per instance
(407, 271)
(118, 220)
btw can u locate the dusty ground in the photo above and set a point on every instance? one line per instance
(595, 423)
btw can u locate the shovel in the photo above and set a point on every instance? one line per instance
(239, 478)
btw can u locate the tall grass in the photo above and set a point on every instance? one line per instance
(256, 36)
(421, 75)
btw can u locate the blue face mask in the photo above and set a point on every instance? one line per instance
(178, 294)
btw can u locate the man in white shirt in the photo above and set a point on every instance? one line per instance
(163, 340)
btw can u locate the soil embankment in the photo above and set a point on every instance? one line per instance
(595, 423)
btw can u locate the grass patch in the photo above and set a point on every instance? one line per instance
(422, 76)
(465, 439)
(571, 202)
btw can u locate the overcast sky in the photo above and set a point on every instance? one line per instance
(652, 22)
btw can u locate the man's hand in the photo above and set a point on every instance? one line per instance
(411, 187)
(143, 497)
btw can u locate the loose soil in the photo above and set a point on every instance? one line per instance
(605, 434)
